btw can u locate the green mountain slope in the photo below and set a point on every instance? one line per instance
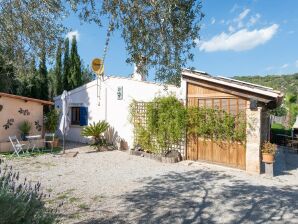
(284, 83)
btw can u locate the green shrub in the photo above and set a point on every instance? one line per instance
(165, 124)
(96, 131)
(277, 128)
(20, 202)
(51, 120)
(166, 121)
(215, 124)
(25, 128)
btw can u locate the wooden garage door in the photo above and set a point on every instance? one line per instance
(230, 154)
(220, 152)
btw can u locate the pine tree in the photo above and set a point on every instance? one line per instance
(75, 65)
(7, 73)
(43, 75)
(66, 64)
(58, 88)
(35, 81)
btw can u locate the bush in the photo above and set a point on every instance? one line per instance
(216, 124)
(21, 202)
(166, 121)
(25, 128)
(277, 128)
(165, 124)
(96, 131)
(51, 120)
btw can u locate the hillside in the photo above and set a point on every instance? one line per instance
(284, 83)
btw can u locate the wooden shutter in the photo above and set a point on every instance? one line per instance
(83, 116)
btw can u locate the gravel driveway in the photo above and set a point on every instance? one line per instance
(115, 187)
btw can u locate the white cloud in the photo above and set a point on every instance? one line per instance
(231, 29)
(213, 20)
(243, 14)
(235, 6)
(296, 63)
(239, 20)
(70, 34)
(284, 66)
(254, 19)
(269, 68)
(240, 41)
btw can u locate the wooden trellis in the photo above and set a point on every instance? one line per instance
(140, 118)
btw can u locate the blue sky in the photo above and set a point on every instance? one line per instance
(255, 37)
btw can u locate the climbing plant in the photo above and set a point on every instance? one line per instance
(164, 122)
(216, 124)
(162, 125)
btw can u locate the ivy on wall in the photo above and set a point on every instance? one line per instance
(164, 122)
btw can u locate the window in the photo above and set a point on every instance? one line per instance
(79, 116)
(75, 115)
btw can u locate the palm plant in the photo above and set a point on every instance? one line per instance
(96, 131)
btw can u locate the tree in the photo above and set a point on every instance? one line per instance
(27, 26)
(66, 66)
(75, 65)
(7, 73)
(58, 88)
(51, 83)
(158, 34)
(87, 74)
(43, 75)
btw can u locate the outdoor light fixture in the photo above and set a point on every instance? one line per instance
(1, 107)
(253, 104)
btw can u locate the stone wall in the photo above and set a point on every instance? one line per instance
(253, 140)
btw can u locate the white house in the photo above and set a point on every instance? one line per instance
(109, 99)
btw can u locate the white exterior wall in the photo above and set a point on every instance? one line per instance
(114, 111)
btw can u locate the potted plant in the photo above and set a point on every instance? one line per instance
(268, 152)
(25, 128)
(51, 120)
(96, 131)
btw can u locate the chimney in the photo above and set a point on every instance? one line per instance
(137, 76)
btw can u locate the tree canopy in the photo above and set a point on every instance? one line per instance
(157, 34)
(27, 26)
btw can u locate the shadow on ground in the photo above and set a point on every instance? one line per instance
(205, 197)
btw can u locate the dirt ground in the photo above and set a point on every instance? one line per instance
(115, 187)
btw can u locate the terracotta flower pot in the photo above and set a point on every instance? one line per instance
(268, 158)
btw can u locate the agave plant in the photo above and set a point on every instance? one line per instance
(96, 131)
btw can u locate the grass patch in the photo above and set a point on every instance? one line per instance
(10, 155)
(280, 129)
(62, 196)
(66, 194)
(97, 198)
(73, 199)
(49, 190)
(74, 216)
(83, 206)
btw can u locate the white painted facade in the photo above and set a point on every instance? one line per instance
(107, 106)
